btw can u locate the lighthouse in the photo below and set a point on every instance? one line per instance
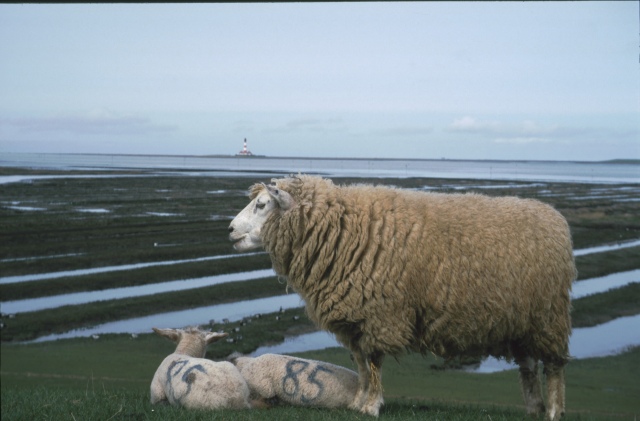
(244, 151)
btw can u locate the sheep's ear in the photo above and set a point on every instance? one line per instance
(170, 334)
(215, 336)
(284, 199)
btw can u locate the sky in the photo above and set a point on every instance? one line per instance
(456, 80)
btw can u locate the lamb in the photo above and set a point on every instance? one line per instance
(298, 381)
(389, 270)
(187, 379)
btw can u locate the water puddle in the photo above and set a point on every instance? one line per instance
(25, 208)
(233, 312)
(600, 249)
(591, 286)
(94, 210)
(606, 339)
(580, 289)
(79, 272)
(6, 179)
(483, 186)
(52, 275)
(609, 338)
(307, 342)
(54, 256)
(164, 214)
(35, 304)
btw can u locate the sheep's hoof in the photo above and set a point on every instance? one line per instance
(554, 416)
(373, 410)
(536, 410)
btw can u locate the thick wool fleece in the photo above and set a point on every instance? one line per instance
(389, 270)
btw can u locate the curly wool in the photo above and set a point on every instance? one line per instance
(390, 270)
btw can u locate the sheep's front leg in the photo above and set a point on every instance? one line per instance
(374, 399)
(369, 398)
(363, 380)
(531, 386)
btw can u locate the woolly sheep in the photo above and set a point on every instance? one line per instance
(298, 381)
(186, 379)
(389, 270)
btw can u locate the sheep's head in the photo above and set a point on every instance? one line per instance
(245, 228)
(191, 341)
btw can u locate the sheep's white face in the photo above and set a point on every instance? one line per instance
(245, 228)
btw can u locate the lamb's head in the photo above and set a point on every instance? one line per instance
(191, 341)
(245, 228)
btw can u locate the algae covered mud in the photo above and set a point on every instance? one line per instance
(93, 250)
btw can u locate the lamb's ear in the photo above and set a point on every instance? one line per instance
(284, 199)
(215, 336)
(170, 334)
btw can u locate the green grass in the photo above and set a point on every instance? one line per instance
(111, 376)
(108, 378)
(596, 309)
(601, 264)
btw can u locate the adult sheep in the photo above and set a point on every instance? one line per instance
(388, 270)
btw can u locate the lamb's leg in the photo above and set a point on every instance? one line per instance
(531, 386)
(157, 393)
(555, 390)
(374, 399)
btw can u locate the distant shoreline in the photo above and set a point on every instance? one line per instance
(245, 157)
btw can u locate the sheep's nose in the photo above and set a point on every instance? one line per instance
(230, 228)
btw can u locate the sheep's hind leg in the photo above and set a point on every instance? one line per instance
(531, 386)
(555, 390)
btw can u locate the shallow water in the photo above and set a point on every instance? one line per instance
(579, 289)
(197, 316)
(606, 339)
(53, 256)
(51, 275)
(610, 247)
(35, 304)
(79, 272)
(238, 310)
(307, 342)
(588, 172)
(591, 286)
(5, 179)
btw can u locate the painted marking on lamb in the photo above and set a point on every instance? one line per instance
(389, 270)
(298, 381)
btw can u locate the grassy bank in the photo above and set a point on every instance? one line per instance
(45, 227)
(96, 379)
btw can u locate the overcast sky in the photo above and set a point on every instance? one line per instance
(486, 80)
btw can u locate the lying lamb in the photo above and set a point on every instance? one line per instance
(298, 381)
(186, 379)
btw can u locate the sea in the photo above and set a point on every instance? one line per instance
(545, 171)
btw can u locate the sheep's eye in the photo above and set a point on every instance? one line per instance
(260, 205)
